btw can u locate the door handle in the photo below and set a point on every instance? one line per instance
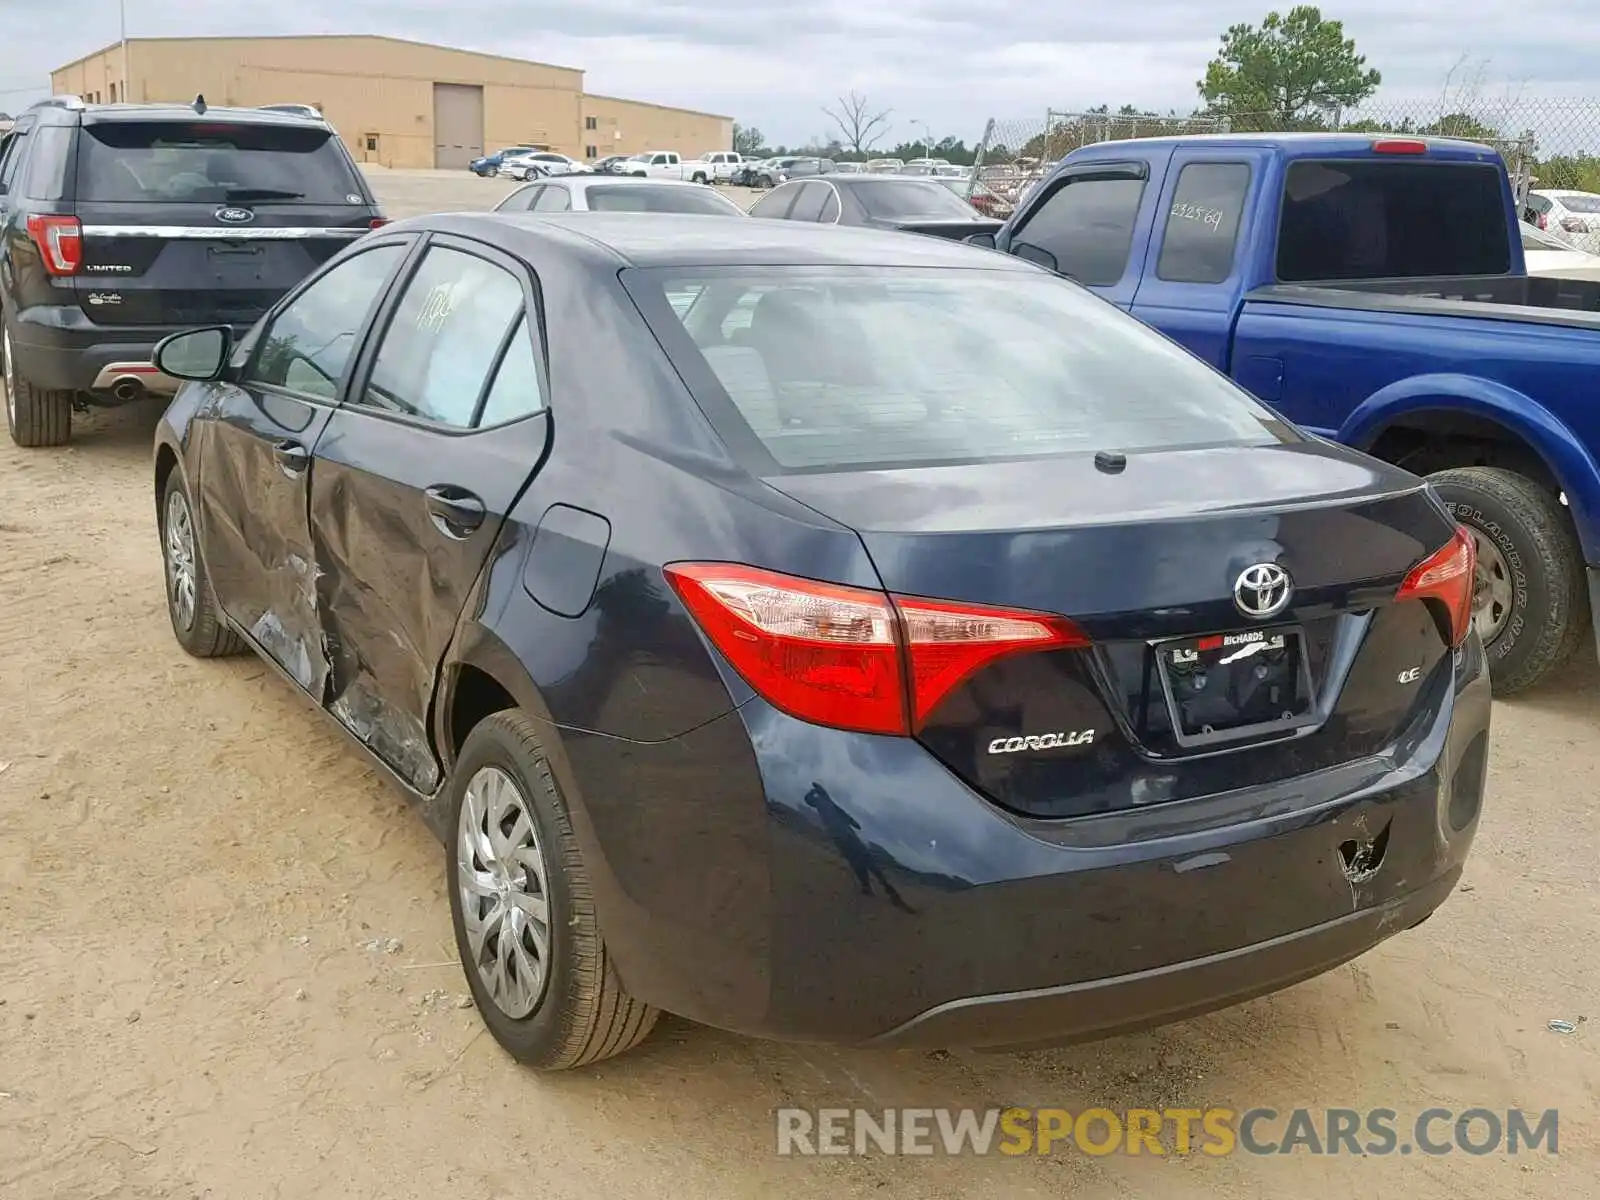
(292, 458)
(454, 510)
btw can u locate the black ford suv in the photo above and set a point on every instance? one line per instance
(120, 224)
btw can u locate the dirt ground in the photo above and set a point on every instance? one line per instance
(226, 967)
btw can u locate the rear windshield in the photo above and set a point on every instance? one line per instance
(213, 163)
(897, 201)
(819, 368)
(626, 197)
(1360, 219)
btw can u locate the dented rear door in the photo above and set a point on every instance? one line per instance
(443, 426)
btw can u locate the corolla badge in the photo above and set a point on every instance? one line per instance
(235, 216)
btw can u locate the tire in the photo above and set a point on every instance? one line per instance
(199, 627)
(35, 416)
(490, 172)
(699, 177)
(579, 1011)
(1539, 569)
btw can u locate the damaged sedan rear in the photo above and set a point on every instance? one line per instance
(829, 635)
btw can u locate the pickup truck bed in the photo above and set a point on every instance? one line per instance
(1372, 290)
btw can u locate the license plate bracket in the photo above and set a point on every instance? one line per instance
(1225, 687)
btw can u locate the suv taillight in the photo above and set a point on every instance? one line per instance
(849, 657)
(60, 242)
(1448, 576)
(380, 222)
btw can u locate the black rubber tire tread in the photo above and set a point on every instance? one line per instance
(210, 635)
(44, 417)
(586, 1015)
(1534, 533)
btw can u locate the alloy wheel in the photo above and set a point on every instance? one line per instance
(180, 560)
(505, 894)
(1492, 591)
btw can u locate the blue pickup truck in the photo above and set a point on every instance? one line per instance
(1372, 290)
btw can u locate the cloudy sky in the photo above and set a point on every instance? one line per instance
(935, 62)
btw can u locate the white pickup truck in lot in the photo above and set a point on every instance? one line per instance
(714, 166)
(668, 164)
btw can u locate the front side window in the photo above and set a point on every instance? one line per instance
(444, 339)
(1086, 228)
(308, 345)
(16, 148)
(907, 199)
(840, 368)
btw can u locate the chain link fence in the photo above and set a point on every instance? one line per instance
(1548, 142)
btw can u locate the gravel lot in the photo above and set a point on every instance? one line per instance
(226, 968)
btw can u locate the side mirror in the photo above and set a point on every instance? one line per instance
(1035, 254)
(197, 354)
(985, 240)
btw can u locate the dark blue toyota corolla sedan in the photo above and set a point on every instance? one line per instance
(829, 634)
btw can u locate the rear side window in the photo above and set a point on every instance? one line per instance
(1581, 204)
(553, 198)
(46, 176)
(808, 205)
(1203, 224)
(1359, 219)
(776, 203)
(1087, 228)
(837, 368)
(16, 151)
(444, 339)
(203, 162)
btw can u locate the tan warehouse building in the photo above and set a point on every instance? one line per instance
(396, 103)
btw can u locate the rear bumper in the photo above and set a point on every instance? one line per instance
(772, 878)
(60, 348)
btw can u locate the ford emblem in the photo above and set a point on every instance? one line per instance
(235, 216)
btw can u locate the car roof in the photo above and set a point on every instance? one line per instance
(1558, 193)
(672, 240)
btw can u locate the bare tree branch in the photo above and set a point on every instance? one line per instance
(859, 128)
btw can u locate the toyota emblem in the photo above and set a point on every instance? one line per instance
(1262, 590)
(235, 216)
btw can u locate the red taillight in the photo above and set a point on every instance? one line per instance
(1446, 576)
(380, 222)
(60, 242)
(852, 658)
(1544, 221)
(1399, 146)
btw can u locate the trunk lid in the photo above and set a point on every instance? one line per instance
(1174, 699)
(208, 219)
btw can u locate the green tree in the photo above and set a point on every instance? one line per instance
(1460, 125)
(747, 139)
(1287, 73)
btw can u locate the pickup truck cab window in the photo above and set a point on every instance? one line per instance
(1085, 226)
(1202, 226)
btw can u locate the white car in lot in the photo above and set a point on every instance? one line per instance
(618, 193)
(1572, 216)
(541, 162)
(1548, 255)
